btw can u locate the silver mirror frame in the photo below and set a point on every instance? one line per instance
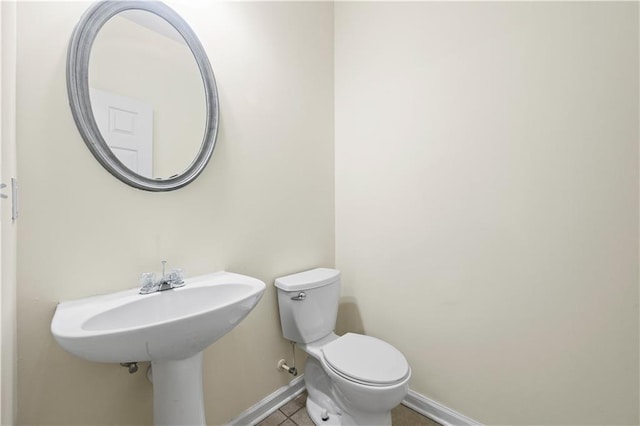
(78, 56)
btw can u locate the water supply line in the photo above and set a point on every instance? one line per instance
(131, 366)
(282, 364)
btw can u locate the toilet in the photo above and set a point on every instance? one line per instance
(351, 379)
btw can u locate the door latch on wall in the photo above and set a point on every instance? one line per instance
(14, 197)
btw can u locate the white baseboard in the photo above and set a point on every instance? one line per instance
(417, 402)
(270, 404)
(436, 411)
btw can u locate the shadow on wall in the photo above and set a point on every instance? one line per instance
(349, 318)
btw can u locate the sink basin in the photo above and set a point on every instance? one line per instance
(169, 325)
(169, 328)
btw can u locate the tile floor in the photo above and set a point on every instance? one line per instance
(293, 413)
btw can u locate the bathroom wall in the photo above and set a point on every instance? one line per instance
(264, 206)
(487, 201)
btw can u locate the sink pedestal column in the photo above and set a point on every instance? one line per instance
(178, 397)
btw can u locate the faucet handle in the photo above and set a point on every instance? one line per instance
(148, 283)
(176, 277)
(147, 278)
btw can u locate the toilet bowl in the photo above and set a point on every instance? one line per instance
(367, 377)
(351, 379)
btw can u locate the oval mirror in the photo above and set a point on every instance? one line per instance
(142, 93)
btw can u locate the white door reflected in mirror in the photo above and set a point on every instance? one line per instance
(126, 125)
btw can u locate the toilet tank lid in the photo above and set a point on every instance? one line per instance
(308, 279)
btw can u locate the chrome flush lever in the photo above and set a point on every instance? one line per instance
(301, 296)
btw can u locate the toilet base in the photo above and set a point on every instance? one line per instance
(322, 396)
(315, 413)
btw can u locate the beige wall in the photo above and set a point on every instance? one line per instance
(263, 206)
(487, 201)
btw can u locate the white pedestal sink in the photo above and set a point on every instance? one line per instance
(169, 328)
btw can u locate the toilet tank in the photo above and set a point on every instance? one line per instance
(308, 304)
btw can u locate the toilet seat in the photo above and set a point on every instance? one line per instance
(365, 360)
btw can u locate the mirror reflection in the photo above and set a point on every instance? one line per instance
(147, 94)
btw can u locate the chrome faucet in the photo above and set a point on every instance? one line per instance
(150, 284)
